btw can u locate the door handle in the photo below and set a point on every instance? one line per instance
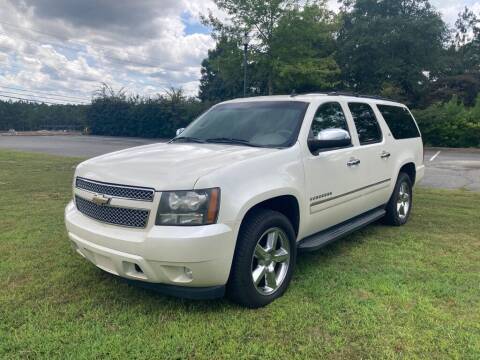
(385, 155)
(353, 162)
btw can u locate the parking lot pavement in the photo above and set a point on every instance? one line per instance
(446, 168)
(452, 168)
(81, 146)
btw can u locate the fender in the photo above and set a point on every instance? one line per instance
(270, 195)
(246, 184)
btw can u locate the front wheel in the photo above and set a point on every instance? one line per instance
(264, 259)
(401, 202)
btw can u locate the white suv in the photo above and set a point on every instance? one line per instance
(226, 205)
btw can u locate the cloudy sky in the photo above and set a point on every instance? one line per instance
(68, 47)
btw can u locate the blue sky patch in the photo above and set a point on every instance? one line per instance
(192, 25)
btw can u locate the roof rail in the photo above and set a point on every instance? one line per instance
(346, 93)
(343, 93)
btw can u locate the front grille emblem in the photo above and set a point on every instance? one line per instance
(101, 199)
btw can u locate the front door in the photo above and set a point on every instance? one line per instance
(331, 174)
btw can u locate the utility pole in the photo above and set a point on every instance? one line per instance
(245, 41)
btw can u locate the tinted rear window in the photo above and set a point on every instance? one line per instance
(366, 123)
(399, 121)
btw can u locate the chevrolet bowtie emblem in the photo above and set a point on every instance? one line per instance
(100, 199)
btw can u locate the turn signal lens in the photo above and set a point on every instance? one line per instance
(213, 206)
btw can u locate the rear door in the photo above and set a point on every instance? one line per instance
(374, 153)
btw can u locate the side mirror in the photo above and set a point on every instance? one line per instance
(329, 139)
(179, 131)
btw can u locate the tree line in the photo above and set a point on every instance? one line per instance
(397, 49)
(116, 114)
(27, 116)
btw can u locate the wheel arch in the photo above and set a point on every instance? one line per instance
(407, 166)
(287, 204)
(410, 169)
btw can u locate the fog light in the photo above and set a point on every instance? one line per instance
(188, 273)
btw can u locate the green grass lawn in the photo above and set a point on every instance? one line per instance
(384, 292)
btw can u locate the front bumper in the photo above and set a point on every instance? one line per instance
(187, 256)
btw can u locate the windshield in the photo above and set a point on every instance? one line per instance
(259, 123)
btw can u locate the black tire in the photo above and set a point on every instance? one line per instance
(241, 288)
(394, 216)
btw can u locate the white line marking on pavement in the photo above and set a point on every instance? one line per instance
(434, 156)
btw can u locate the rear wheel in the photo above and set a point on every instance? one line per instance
(400, 203)
(264, 259)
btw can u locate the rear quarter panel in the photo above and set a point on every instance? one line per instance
(403, 151)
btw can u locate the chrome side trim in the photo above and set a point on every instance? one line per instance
(349, 193)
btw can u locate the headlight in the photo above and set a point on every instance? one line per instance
(193, 207)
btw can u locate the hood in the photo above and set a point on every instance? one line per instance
(165, 166)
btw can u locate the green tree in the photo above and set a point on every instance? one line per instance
(259, 18)
(292, 45)
(467, 43)
(390, 44)
(302, 47)
(459, 74)
(222, 78)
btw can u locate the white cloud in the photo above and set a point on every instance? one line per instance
(450, 9)
(70, 47)
(334, 5)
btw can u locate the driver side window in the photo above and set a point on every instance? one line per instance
(328, 116)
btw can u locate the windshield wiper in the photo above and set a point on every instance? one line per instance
(226, 140)
(187, 139)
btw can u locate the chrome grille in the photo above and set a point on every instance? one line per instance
(113, 215)
(121, 191)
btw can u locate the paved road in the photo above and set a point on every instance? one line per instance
(446, 168)
(81, 146)
(452, 169)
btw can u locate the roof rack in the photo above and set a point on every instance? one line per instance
(343, 93)
(354, 94)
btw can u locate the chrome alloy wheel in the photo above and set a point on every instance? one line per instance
(403, 201)
(270, 261)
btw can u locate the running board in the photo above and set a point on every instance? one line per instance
(322, 238)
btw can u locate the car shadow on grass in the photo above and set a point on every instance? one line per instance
(122, 291)
(339, 247)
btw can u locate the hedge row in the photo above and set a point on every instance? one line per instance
(149, 118)
(450, 124)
